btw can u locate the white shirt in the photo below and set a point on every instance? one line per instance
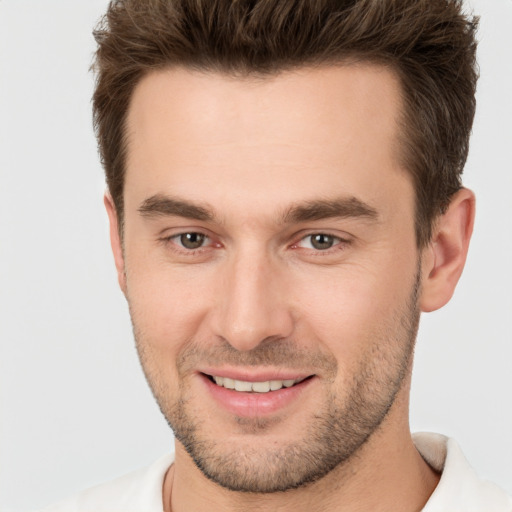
(459, 490)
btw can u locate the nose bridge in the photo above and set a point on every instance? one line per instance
(252, 307)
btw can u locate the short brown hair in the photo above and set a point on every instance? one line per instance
(429, 43)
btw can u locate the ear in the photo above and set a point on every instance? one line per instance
(444, 258)
(115, 240)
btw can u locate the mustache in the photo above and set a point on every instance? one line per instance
(278, 353)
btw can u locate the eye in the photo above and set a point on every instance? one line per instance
(190, 241)
(319, 241)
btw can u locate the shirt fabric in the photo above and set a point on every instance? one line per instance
(459, 489)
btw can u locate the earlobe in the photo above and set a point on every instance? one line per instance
(115, 240)
(444, 258)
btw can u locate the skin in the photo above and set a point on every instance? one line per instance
(249, 150)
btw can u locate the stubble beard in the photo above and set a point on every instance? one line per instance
(335, 434)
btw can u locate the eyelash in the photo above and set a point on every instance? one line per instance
(338, 243)
(173, 240)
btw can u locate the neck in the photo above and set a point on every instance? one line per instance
(387, 473)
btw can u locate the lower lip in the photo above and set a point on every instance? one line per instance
(252, 405)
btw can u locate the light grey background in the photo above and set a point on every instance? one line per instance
(75, 409)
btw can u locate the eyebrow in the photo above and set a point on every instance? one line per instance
(345, 207)
(160, 205)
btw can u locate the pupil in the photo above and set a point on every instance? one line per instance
(192, 240)
(322, 242)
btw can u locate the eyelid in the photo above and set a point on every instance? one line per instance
(311, 235)
(339, 242)
(179, 235)
(171, 237)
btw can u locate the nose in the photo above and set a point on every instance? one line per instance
(252, 306)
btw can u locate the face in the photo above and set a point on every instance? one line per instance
(269, 247)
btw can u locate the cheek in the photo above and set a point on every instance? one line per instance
(165, 312)
(349, 309)
(167, 305)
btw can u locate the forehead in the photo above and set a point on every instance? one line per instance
(296, 134)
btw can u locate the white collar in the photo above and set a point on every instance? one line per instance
(459, 489)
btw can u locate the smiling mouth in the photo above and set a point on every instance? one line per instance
(254, 387)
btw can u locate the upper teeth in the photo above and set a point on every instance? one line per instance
(258, 387)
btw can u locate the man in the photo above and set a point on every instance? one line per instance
(284, 199)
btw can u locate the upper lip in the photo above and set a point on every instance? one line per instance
(253, 375)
